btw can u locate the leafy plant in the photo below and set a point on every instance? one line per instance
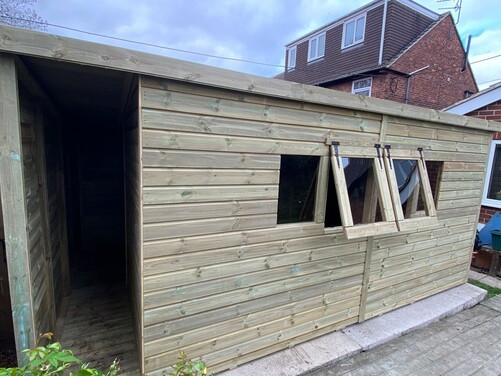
(53, 360)
(187, 367)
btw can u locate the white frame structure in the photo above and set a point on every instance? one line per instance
(355, 21)
(318, 54)
(485, 200)
(359, 90)
(291, 63)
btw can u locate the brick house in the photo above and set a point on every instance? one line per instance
(487, 105)
(393, 49)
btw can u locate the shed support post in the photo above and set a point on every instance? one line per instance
(365, 280)
(14, 208)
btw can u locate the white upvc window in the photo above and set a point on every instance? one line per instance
(291, 61)
(492, 189)
(316, 47)
(354, 31)
(362, 87)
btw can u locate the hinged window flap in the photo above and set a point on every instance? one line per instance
(362, 189)
(410, 189)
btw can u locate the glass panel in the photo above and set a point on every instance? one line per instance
(321, 45)
(348, 33)
(409, 186)
(313, 48)
(365, 93)
(494, 192)
(297, 188)
(359, 33)
(362, 190)
(292, 58)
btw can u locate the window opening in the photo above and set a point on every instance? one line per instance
(316, 48)
(411, 192)
(353, 31)
(291, 62)
(332, 214)
(362, 87)
(297, 188)
(492, 190)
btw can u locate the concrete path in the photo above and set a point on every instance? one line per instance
(484, 278)
(468, 343)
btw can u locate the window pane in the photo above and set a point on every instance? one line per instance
(359, 33)
(298, 184)
(361, 190)
(348, 33)
(409, 186)
(365, 93)
(292, 58)
(321, 45)
(313, 48)
(332, 213)
(495, 178)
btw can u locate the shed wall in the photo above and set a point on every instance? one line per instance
(222, 280)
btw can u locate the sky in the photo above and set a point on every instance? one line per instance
(253, 30)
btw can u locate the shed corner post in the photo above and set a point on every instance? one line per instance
(14, 208)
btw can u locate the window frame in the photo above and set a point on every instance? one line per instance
(380, 191)
(356, 91)
(316, 38)
(492, 203)
(345, 24)
(430, 213)
(289, 51)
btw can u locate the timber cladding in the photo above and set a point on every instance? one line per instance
(223, 281)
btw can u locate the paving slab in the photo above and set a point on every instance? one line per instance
(484, 278)
(334, 347)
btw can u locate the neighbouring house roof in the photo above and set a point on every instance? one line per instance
(481, 99)
(373, 4)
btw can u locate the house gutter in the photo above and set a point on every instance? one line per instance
(383, 29)
(409, 76)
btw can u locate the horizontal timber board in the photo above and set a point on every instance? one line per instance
(344, 309)
(165, 230)
(463, 166)
(185, 122)
(266, 254)
(252, 280)
(154, 177)
(435, 145)
(180, 212)
(193, 104)
(155, 139)
(243, 322)
(247, 305)
(231, 239)
(173, 195)
(189, 159)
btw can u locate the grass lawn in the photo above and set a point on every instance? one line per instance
(491, 291)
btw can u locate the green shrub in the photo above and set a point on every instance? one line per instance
(53, 360)
(187, 367)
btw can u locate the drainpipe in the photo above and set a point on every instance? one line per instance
(409, 76)
(383, 28)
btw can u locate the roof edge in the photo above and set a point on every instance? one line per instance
(53, 47)
(476, 101)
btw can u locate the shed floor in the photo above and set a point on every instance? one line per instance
(98, 328)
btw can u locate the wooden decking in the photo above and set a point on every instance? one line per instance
(98, 328)
(468, 343)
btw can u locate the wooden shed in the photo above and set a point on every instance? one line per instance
(242, 214)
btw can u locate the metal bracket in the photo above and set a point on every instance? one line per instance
(335, 145)
(421, 154)
(388, 148)
(378, 150)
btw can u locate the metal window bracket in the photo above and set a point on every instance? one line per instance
(335, 146)
(421, 154)
(378, 150)
(388, 148)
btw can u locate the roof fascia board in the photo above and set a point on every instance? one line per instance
(53, 47)
(420, 9)
(476, 102)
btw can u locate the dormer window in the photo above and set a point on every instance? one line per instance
(354, 31)
(316, 48)
(291, 60)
